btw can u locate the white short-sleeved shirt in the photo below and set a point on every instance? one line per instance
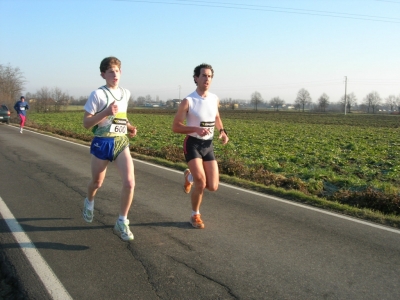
(99, 100)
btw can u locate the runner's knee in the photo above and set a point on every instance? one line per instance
(96, 184)
(213, 187)
(200, 184)
(129, 184)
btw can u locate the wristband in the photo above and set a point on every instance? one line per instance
(223, 130)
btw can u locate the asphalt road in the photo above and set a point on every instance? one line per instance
(253, 247)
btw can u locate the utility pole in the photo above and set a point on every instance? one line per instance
(179, 92)
(345, 94)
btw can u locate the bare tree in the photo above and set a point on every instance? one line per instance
(323, 102)
(43, 100)
(140, 100)
(276, 102)
(303, 98)
(148, 99)
(230, 103)
(372, 100)
(350, 102)
(60, 99)
(82, 100)
(391, 102)
(256, 99)
(11, 84)
(169, 103)
(224, 103)
(398, 102)
(131, 101)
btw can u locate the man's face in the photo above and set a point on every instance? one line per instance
(112, 76)
(205, 78)
(22, 99)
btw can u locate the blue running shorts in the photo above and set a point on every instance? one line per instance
(108, 148)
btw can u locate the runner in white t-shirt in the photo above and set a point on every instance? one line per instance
(200, 110)
(106, 114)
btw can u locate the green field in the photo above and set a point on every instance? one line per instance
(351, 159)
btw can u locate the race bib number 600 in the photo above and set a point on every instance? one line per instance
(118, 126)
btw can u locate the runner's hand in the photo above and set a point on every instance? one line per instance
(112, 109)
(132, 131)
(201, 131)
(223, 137)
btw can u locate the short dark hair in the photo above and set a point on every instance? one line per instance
(22, 97)
(196, 71)
(108, 62)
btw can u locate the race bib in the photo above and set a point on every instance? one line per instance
(210, 126)
(118, 126)
(207, 124)
(22, 108)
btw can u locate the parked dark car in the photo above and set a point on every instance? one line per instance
(4, 114)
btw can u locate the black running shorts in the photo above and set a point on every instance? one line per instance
(196, 148)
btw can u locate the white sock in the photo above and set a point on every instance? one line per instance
(122, 218)
(195, 213)
(190, 178)
(89, 204)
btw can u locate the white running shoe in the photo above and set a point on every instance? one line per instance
(87, 213)
(121, 228)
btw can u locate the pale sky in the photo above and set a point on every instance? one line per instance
(273, 47)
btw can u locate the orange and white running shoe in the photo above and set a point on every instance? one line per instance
(196, 221)
(187, 186)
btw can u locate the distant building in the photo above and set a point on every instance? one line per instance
(176, 102)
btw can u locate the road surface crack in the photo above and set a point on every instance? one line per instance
(227, 288)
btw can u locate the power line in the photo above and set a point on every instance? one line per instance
(397, 2)
(273, 9)
(289, 8)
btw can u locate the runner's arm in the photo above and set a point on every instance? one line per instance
(222, 133)
(90, 120)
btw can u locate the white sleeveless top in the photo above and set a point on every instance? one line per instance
(202, 113)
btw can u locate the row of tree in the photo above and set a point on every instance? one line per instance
(12, 84)
(46, 99)
(372, 101)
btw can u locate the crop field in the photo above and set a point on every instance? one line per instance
(353, 158)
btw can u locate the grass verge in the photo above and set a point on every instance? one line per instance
(290, 195)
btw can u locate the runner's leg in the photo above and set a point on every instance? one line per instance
(199, 182)
(126, 170)
(99, 168)
(22, 123)
(212, 175)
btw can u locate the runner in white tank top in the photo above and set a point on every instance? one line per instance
(202, 113)
(200, 110)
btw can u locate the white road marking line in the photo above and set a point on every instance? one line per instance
(45, 273)
(316, 209)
